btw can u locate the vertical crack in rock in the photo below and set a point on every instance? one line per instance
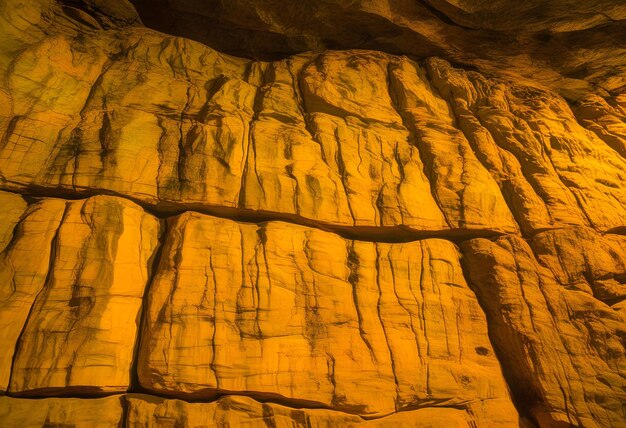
(353, 278)
(539, 326)
(377, 274)
(46, 284)
(153, 264)
(522, 398)
(487, 163)
(414, 138)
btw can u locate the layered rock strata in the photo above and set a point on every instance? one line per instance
(317, 320)
(346, 238)
(137, 410)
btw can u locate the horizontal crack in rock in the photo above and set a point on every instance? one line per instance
(84, 393)
(164, 209)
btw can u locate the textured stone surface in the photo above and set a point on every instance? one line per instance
(24, 270)
(336, 238)
(13, 206)
(61, 412)
(300, 314)
(75, 274)
(343, 138)
(552, 171)
(570, 45)
(606, 117)
(244, 411)
(314, 137)
(563, 350)
(583, 260)
(138, 410)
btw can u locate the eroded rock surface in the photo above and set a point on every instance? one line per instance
(288, 311)
(244, 411)
(336, 238)
(339, 139)
(74, 412)
(138, 410)
(75, 273)
(562, 349)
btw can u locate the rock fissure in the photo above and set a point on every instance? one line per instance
(43, 289)
(362, 233)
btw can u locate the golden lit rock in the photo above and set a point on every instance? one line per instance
(343, 138)
(13, 206)
(305, 315)
(244, 411)
(74, 412)
(83, 302)
(561, 349)
(582, 259)
(552, 171)
(24, 266)
(377, 214)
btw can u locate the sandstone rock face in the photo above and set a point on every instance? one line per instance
(25, 264)
(75, 412)
(244, 411)
(75, 274)
(337, 238)
(557, 343)
(144, 410)
(368, 328)
(13, 208)
(343, 139)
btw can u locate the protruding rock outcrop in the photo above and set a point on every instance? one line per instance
(571, 46)
(339, 139)
(287, 311)
(75, 273)
(561, 348)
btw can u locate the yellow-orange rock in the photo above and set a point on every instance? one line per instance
(62, 412)
(303, 315)
(570, 45)
(138, 410)
(24, 266)
(552, 171)
(227, 133)
(81, 295)
(329, 238)
(13, 206)
(243, 411)
(583, 260)
(562, 350)
(606, 117)
(354, 138)
(343, 138)
(461, 185)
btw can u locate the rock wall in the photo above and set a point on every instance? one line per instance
(337, 238)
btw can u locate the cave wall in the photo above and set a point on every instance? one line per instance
(309, 237)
